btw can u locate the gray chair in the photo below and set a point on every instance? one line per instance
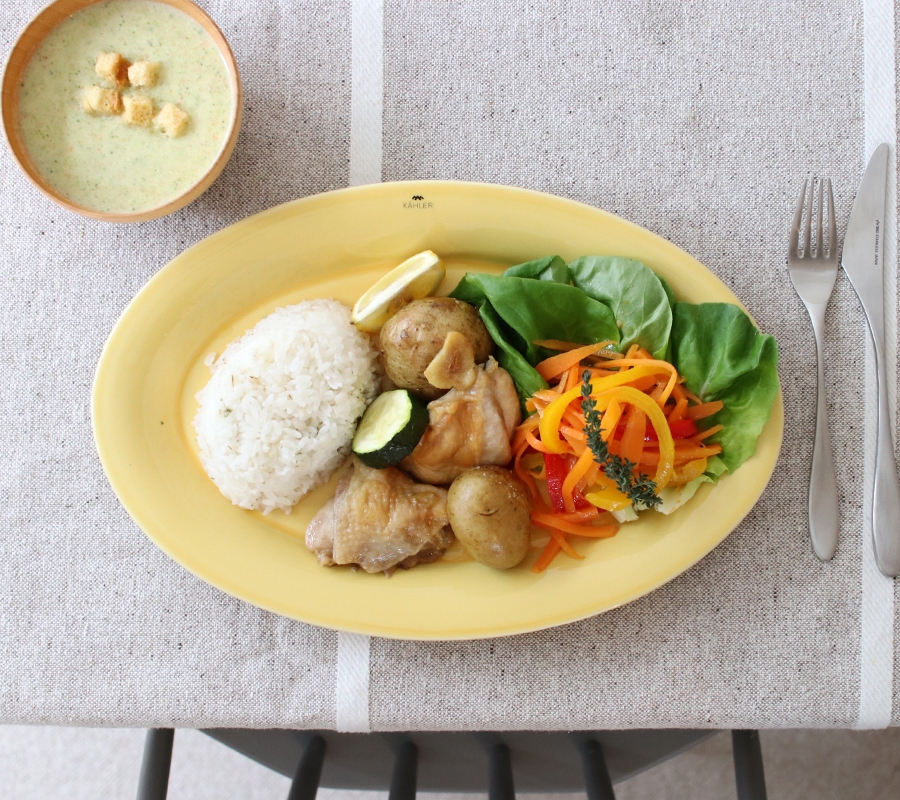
(496, 763)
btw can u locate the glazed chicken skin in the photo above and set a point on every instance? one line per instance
(472, 424)
(380, 519)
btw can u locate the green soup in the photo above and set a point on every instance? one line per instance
(101, 162)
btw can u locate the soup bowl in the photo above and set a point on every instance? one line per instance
(20, 56)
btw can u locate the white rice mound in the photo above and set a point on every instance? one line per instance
(279, 412)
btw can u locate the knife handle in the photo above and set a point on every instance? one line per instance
(886, 498)
(824, 515)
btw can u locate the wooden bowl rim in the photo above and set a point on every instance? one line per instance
(47, 19)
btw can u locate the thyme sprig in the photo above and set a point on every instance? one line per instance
(639, 488)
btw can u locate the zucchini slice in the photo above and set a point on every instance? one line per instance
(390, 429)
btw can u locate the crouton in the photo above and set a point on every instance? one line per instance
(138, 109)
(97, 100)
(171, 120)
(113, 69)
(144, 73)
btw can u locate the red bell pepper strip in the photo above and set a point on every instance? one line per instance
(557, 468)
(681, 429)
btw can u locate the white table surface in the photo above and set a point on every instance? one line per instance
(696, 120)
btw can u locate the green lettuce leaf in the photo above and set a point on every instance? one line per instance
(534, 310)
(525, 376)
(723, 356)
(549, 268)
(636, 295)
(715, 468)
(667, 289)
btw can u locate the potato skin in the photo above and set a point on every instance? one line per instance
(490, 513)
(414, 335)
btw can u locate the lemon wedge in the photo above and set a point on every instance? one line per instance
(415, 278)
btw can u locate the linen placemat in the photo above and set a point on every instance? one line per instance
(696, 120)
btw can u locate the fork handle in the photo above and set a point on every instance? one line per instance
(824, 516)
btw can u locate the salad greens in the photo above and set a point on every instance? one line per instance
(715, 346)
(520, 311)
(533, 310)
(634, 293)
(550, 268)
(524, 375)
(724, 357)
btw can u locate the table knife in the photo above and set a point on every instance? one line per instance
(863, 261)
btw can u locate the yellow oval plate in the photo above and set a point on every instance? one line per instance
(337, 245)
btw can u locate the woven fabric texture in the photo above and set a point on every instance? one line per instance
(696, 120)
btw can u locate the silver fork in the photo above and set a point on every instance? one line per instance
(813, 276)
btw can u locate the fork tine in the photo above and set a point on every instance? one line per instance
(832, 225)
(820, 248)
(809, 222)
(795, 225)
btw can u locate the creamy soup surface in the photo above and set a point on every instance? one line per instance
(100, 162)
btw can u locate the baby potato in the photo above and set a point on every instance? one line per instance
(414, 335)
(490, 513)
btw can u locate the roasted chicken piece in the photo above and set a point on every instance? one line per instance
(380, 519)
(471, 425)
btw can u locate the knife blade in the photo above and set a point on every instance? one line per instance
(863, 261)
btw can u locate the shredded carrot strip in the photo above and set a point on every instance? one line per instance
(590, 476)
(600, 373)
(690, 471)
(651, 456)
(626, 394)
(576, 447)
(581, 515)
(610, 420)
(643, 384)
(545, 395)
(658, 390)
(529, 424)
(572, 433)
(550, 552)
(539, 446)
(678, 392)
(563, 347)
(693, 398)
(556, 365)
(552, 522)
(704, 410)
(632, 351)
(678, 411)
(520, 470)
(598, 531)
(553, 414)
(708, 432)
(561, 539)
(664, 366)
(633, 438)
